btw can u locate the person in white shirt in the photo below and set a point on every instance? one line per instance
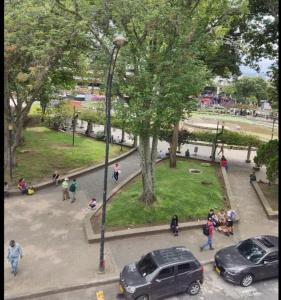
(14, 252)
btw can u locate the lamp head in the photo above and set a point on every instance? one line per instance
(119, 41)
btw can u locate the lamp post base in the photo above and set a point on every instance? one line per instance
(102, 267)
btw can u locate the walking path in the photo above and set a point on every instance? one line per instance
(57, 255)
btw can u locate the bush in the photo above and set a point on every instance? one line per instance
(32, 120)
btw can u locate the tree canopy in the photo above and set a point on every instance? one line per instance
(268, 155)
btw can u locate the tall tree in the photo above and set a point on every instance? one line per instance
(166, 39)
(37, 43)
(250, 89)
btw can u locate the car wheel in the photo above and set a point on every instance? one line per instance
(194, 288)
(143, 297)
(247, 280)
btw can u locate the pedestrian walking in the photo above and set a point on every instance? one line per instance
(224, 163)
(73, 189)
(175, 225)
(14, 252)
(65, 193)
(221, 150)
(210, 236)
(6, 189)
(116, 171)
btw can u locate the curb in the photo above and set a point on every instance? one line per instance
(73, 174)
(127, 233)
(78, 287)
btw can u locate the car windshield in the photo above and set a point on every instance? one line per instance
(146, 265)
(251, 251)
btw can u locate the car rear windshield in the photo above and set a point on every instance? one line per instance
(146, 265)
(251, 251)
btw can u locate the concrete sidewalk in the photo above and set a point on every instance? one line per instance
(57, 255)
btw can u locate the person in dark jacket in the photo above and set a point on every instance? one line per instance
(210, 236)
(174, 225)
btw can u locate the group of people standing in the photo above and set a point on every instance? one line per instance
(66, 188)
(221, 222)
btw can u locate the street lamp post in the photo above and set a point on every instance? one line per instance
(118, 42)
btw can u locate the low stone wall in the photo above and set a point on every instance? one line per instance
(271, 214)
(92, 237)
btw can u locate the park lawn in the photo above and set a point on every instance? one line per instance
(45, 151)
(178, 192)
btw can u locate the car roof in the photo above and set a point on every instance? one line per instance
(172, 255)
(268, 242)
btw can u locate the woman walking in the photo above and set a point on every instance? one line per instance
(116, 171)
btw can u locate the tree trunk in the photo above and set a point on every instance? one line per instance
(249, 154)
(89, 128)
(135, 141)
(173, 146)
(147, 164)
(123, 133)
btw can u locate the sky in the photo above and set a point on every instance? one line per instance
(264, 65)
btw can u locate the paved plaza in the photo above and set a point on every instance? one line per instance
(57, 254)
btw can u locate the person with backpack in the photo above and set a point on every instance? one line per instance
(73, 189)
(208, 229)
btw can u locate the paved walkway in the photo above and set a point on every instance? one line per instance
(57, 255)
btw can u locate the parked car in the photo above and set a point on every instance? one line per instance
(250, 260)
(162, 273)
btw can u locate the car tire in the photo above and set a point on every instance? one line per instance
(193, 289)
(143, 297)
(247, 280)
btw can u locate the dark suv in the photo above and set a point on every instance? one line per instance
(162, 273)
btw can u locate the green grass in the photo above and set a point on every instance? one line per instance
(271, 194)
(49, 150)
(224, 117)
(178, 192)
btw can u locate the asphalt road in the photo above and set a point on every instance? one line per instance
(214, 288)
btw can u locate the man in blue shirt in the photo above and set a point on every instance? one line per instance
(14, 252)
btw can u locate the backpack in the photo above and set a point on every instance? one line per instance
(205, 228)
(232, 215)
(72, 187)
(30, 191)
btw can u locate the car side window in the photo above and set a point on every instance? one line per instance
(271, 257)
(183, 268)
(165, 273)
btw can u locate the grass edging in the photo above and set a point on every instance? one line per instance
(271, 214)
(74, 174)
(110, 235)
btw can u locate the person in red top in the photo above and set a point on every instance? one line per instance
(22, 186)
(224, 163)
(210, 236)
